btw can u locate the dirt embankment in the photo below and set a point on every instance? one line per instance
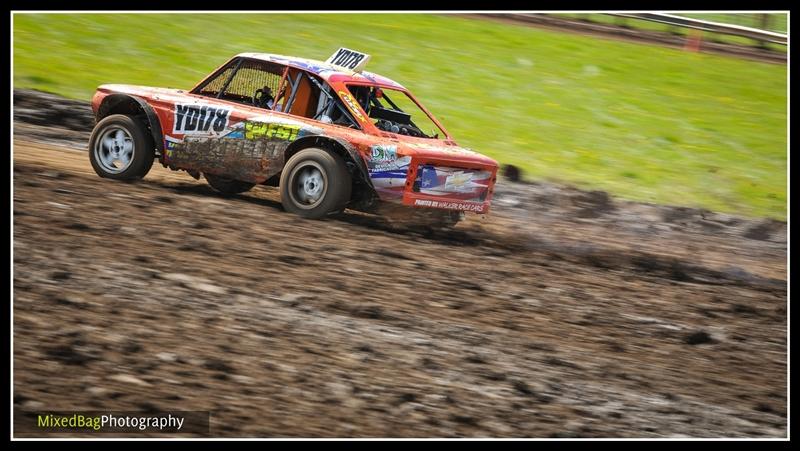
(631, 33)
(563, 313)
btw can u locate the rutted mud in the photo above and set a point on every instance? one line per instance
(563, 313)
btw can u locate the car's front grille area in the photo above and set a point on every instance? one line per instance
(452, 183)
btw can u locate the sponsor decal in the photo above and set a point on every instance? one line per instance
(169, 145)
(449, 205)
(236, 132)
(257, 130)
(398, 164)
(198, 119)
(458, 181)
(352, 105)
(464, 184)
(383, 153)
(348, 59)
(386, 170)
(428, 178)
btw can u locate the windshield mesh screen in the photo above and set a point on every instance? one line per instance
(254, 75)
(250, 76)
(213, 87)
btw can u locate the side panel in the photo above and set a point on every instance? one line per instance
(225, 139)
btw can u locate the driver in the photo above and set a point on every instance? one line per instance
(362, 94)
(266, 100)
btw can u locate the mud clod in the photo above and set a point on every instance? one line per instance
(698, 338)
(512, 173)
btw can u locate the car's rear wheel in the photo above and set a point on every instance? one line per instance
(315, 183)
(121, 148)
(228, 186)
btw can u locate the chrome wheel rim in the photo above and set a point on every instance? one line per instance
(114, 150)
(309, 184)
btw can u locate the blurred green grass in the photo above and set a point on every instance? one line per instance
(643, 122)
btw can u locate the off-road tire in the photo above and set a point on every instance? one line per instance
(134, 133)
(315, 172)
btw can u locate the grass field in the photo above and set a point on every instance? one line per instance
(642, 122)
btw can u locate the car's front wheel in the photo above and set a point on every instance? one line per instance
(315, 183)
(121, 148)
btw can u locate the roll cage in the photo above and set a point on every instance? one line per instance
(296, 91)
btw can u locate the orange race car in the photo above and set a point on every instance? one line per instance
(329, 134)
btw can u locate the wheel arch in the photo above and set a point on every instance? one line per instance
(136, 106)
(351, 156)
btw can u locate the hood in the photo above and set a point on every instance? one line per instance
(444, 153)
(169, 94)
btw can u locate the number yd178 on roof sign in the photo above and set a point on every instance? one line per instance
(349, 59)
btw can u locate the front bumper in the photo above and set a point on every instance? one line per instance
(422, 201)
(449, 185)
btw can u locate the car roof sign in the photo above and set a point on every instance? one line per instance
(348, 59)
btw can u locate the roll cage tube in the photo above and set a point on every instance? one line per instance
(396, 114)
(333, 101)
(327, 109)
(228, 81)
(439, 129)
(234, 64)
(293, 86)
(374, 98)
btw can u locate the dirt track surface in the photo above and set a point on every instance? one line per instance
(563, 313)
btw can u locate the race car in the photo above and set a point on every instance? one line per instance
(329, 134)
